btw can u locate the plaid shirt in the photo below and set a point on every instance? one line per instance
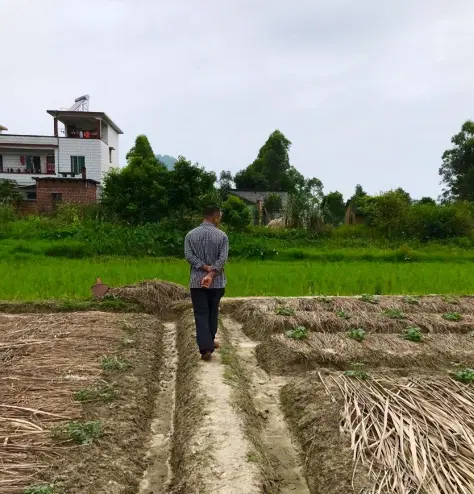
(206, 245)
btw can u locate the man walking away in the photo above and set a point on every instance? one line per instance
(206, 249)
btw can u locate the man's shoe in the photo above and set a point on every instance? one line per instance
(206, 356)
(217, 345)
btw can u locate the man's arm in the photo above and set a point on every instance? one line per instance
(191, 256)
(223, 255)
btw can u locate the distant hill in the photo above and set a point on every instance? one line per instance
(168, 161)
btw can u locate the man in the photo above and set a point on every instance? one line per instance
(206, 249)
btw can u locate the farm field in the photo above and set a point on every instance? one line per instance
(40, 278)
(306, 395)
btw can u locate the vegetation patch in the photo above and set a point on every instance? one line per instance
(357, 334)
(298, 333)
(412, 334)
(79, 432)
(452, 316)
(394, 314)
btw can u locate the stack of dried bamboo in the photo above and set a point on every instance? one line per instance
(413, 436)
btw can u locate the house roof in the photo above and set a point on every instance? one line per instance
(64, 114)
(253, 196)
(3, 128)
(66, 179)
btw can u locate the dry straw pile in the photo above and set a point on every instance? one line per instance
(413, 436)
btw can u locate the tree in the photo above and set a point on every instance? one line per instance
(457, 169)
(141, 149)
(235, 213)
(427, 201)
(225, 183)
(304, 208)
(271, 170)
(334, 208)
(8, 192)
(272, 204)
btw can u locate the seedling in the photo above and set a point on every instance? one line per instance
(343, 315)
(369, 299)
(465, 376)
(356, 334)
(357, 372)
(412, 300)
(452, 316)
(298, 333)
(39, 489)
(80, 433)
(285, 311)
(105, 393)
(394, 314)
(113, 363)
(412, 334)
(450, 300)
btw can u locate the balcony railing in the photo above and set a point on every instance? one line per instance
(50, 170)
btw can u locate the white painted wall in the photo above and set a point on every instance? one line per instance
(114, 142)
(91, 149)
(14, 139)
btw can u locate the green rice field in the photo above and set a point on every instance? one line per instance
(40, 278)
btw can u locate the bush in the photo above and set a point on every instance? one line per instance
(235, 213)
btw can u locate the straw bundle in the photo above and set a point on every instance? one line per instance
(414, 436)
(154, 295)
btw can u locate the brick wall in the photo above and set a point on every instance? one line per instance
(52, 192)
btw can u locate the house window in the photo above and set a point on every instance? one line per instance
(31, 196)
(57, 197)
(50, 164)
(110, 154)
(77, 164)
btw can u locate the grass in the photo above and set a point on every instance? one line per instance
(104, 393)
(113, 363)
(30, 280)
(39, 489)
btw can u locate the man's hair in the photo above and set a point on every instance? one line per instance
(211, 210)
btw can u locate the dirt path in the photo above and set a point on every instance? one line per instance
(158, 473)
(266, 397)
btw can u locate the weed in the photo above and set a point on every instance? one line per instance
(452, 316)
(449, 299)
(412, 334)
(357, 334)
(369, 299)
(105, 393)
(343, 315)
(298, 333)
(412, 300)
(357, 372)
(114, 363)
(465, 376)
(285, 311)
(80, 433)
(394, 314)
(39, 489)
(252, 457)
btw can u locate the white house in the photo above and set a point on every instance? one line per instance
(90, 141)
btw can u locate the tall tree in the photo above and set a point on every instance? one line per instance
(457, 170)
(271, 170)
(141, 149)
(8, 192)
(225, 184)
(334, 208)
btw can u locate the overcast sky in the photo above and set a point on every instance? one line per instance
(368, 91)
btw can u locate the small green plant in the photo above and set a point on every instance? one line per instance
(412, 334)
(113, 363)
(357, 334)
(369, 299)
(394, 314)
(80, 433)
(412, 300)
(449, 299)
(39, 489)
(343, 315)
(298, 333)
(252, 457)
(465, 376)
(452, 316)
(357, 372)
(285, 311)
(105, 393)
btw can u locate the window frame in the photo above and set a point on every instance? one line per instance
(76, 167)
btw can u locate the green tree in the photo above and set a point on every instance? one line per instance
(427, 201)
(304, 208)
(271, 171)
(225, 184)
(334, 208)
(236, 214)
(142, 149)
(8, 192)
(457, 169)
(273, 204)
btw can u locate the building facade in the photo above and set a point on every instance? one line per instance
(89, 140)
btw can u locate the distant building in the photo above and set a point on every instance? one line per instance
(89, 140)
(353, 216)
(257, 199)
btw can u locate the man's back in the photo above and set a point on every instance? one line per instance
(206, 245)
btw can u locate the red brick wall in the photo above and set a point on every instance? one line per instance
(73, 192)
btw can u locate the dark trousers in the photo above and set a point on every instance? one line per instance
(206, 314)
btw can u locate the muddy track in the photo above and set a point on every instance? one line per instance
(218, 427)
